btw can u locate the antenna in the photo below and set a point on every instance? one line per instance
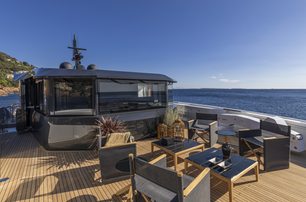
(76, 54)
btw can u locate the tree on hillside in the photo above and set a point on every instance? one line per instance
(2, 58)
(25, 63)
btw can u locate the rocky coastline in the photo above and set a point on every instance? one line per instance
(4, 91)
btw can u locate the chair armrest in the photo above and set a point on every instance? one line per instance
(195, 182)
(249, 133)
(118, 146)
(160, 161)
(190, 123)
(103, 140)
(214, 122)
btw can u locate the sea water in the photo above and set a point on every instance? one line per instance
(9, 100)
(288, 103)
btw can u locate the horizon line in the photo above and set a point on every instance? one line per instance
(239, 88)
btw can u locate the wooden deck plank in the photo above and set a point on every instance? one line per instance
(40, 175)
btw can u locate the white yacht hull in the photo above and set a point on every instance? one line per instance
(246, 120)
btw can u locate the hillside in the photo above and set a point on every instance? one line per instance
(9, 65)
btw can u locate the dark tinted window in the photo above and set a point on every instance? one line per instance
(170, 94)
(120, 96)
(73, 94)
(40, 101)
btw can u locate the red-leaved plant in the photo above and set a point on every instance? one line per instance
(109, 125)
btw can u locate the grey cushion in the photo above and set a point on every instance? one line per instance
(154, 191)
(187, 179)
(114, 162)
(159, 175)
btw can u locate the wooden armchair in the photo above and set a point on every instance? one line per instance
(271, 142)
(153, 181)
(114, 161)
(204, 127)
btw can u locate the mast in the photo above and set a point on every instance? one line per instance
(76, 54)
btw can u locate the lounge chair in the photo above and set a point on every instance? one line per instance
(204, 127)
(154, 181)
(114, 161)
(271, 142)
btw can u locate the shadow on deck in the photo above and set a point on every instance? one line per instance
(38, 174)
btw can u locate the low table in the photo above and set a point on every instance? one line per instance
(178, 148)
(240, 166)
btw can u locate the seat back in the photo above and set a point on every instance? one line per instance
(243, 148)
(275, 128)
(202, 116)
(249, 133)
(163, 177)
(114, 162)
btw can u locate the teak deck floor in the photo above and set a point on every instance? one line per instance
(36, 174)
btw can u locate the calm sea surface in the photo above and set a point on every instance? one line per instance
(9, 100)
(289, 103)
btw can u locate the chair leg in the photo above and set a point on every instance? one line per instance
(254, 152)
(125, 190)
(259, 161)
(130, 194)
(185, 166)
(145, 198)
(257, 172)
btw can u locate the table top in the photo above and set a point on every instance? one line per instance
(239, 163)
(226, 132)
(178, 146)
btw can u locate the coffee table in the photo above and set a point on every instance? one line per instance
(178, 148)
(239, 166)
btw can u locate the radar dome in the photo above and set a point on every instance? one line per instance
(91, 67)
(65, 65)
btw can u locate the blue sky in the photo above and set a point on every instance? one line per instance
(201, 44)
